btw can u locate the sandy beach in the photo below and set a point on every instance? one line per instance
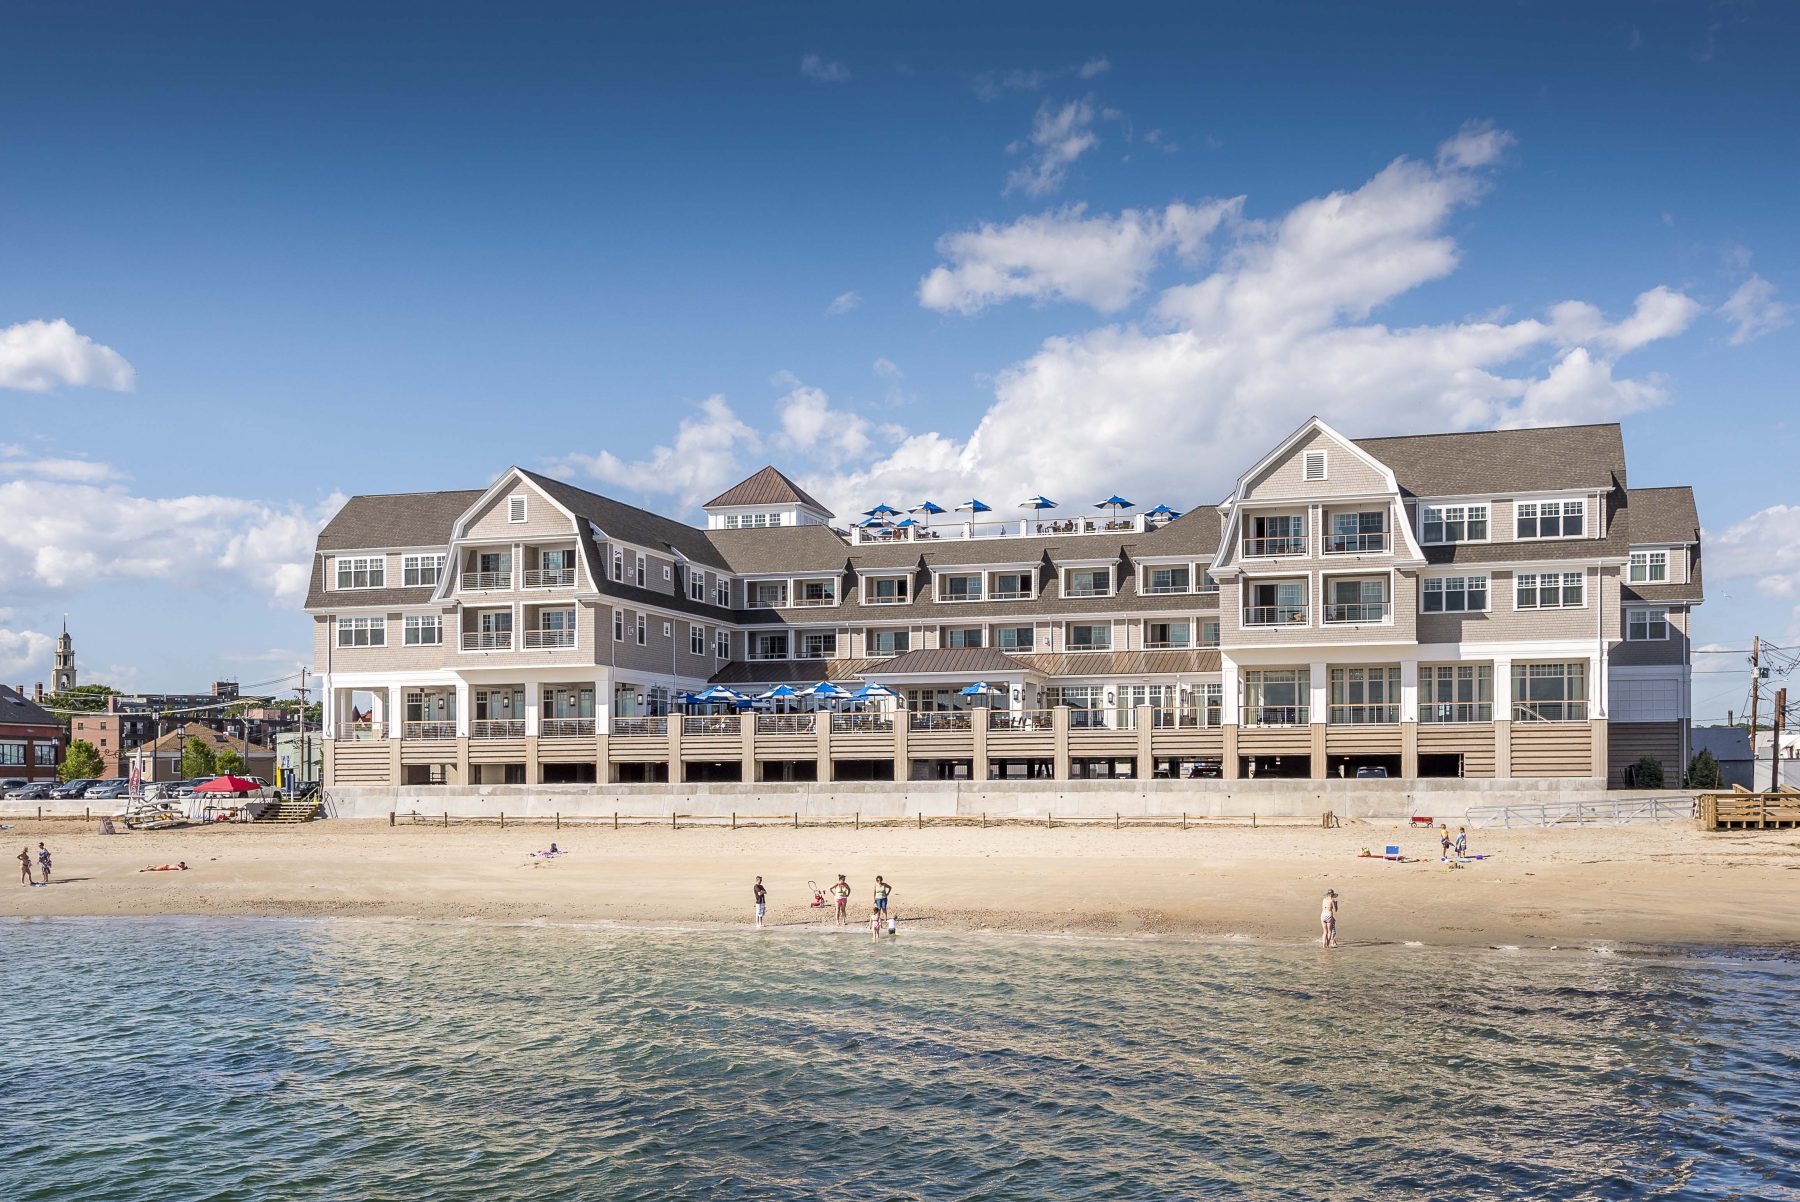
(1668, 883)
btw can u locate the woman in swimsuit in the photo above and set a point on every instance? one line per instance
(1328, 919)
(25, 867)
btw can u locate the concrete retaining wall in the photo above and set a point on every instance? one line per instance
(998, 799)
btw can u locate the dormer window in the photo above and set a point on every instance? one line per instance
(515, 509)
(363, 571)
(1552, 519)
(1175, 579)
(1649, 567)
(1088, 582)
(887, 590)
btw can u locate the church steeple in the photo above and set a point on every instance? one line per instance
(62, 678)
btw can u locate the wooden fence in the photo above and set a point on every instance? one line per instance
(1742, 810)
(854, 821)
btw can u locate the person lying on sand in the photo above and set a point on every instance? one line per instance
(178, 866)
(551, 854)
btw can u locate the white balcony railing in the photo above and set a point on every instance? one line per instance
(1091, 591)
(1275, 615)
(497, 728)
(954, 598)
(428, 730)
(1022, 720)
(1162, 589)
(862, 724)
(538, 640)
(1367, 611)
(1275, 715)
(1287, 544)
(550, 578)
(805, 602)
(872, 599)
(1363, 715)
(483, 582)
(1089, 646)
(766, 601)
(640, 726)
(1167, 644)
(1356, 544)
(936, 720)
(764, 655)
(362, 732)
(711, 724)
(487, 640)
(786, 724)
(565, 728)
(1010, 594)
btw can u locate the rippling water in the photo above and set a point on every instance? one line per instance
(231, 1059)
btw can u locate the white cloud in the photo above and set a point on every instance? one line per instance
(886, 367)
(63, 535)
(702, 459)
(37, 356)
(1753, 311)
(823, 70)
(1102, 261)
(1059, 136)
(14, 462)
(810, 425)
(1094, 68)
(1172, 406)
(22, 653)
(842, 303)
(1764, 547)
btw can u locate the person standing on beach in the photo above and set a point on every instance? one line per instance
(44, 862)
(882, 889)
(762, 901)
(1462, 842)
(25, 866)
(1444, 841)
(1328, 919)
(841, 891)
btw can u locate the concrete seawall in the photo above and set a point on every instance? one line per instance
(1386, 799)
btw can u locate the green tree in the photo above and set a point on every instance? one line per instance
(1647, 773)
(85, 698)
(82, 762)
(198, 760)
(1703, 771)
(229, 763)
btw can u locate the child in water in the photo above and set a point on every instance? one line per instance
(875, 924)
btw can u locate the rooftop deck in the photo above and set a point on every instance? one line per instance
(1026, 527)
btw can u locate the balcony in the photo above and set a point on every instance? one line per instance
(565, 728)
(1010, 594)
(486, 582)
(1186, 718)
(955, 598)
(1276, 715)
(361, 732)
(711, 724)
(1356, 544)
(542, 640)
(1167, 644)
(786, 724)
(885, 599)
(806, 602)
(487, 640)
(1367, 611)
(862, 724)
(1287, 544)
(428, 730)
(766, 601)
(936, 720)
(550, 578)
(1275, 615)
(1089, 591)
(1153, 590)
(497, 728)
(1367, 714)
(656, 727)
(1026, 720)
(763, 654)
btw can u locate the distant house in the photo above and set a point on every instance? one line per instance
(162, 757)
(32, 739)
(1730, 745)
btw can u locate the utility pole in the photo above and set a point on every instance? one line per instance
(1755, 687)
(1775, 743)
(301, 692)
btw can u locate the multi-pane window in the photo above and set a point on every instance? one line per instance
(1365, 695)
(1089, 582)
(1549, 590)
(1456, 693)
(424, 630)
(1095, 636)
(697, 584)
(1177, 579)
(751, 521)
(1550, 692)
(1453, 594)
(722, 644)
(1012, 586)
(12, 755)
(43, 755)
(1207, 583)
(1365, 530)
(1014, 638)
(417, 571)
(362, 632)
(1167, 634)
(766, 594)
(618, 626)
(960, 588)
(1357, 601)
(618, 566)
(815, 592)
(1209, 634)
(1280, 534)
(1276, 603)
(768, 646)
(1649, 567)
(696, 639)
(1454, 524)
(1209, 703)
(643, 572)
(1551, 519)
(884, 643)
(643, 630)
(1086, 702)
(722, 592)
(361, 571)
(1646, 625)
(818, 644)
(1277, 696)
(887, 590)
(963, 636)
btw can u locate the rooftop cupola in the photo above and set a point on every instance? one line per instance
(765, 499)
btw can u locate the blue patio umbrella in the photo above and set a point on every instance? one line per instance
(1164, 511)
(882, 511)
(1116, 502)
(904, 523)
(981, 688)
(873, 692)
(927, 508)
(827, 691)
(720, 695)
(874, 523)
(1038, 503)
(780, 692)
(974, 506)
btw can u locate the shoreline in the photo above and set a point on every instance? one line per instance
(1662, 886)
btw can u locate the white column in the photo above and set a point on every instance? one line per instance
(1599, 687)
(1230, 689)
(534, 694)
(1409, 690)
(603, 703)
(463, 705)
(1320, 701)
(391, 711)
(327, 709)
(1503, 701)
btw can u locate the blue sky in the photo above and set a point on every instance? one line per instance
(319, 250)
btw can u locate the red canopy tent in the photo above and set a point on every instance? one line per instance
(228, 784)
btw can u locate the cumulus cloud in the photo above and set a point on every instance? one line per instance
(1764, 547)
(1753, 311)
(23, 652)
(887, 368)
(62, 535)
(703, 458)
(1094, 68)
(1101, 261)
(38, 356)
(811, 425)
(823, 70)
(842, 303)
(14, 461)
(1060, 134)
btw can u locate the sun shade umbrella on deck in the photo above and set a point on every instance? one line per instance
(873, 692)
(882, 511)
(227, 784)
(1163, 511)
(720, 695)
(927, 508)
(974, 506)
(874, 523)
(826, 691)
(1116, 502)
(1038, 503)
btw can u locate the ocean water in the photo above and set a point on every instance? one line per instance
(233, 1059)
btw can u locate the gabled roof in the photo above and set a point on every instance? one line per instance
(175, 740)
(413, 519)
(16, 709)
(1664, 515)
(628, 523)
(1536, 459)
(767, 487)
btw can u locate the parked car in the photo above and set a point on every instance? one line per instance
(36, 792)
(12, 783)
(164, 790)
(1371, 774)
(75, 789)
(108, 790)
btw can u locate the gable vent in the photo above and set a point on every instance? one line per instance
(515, 509)
(1315, 465)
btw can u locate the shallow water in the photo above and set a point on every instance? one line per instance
(226, 1058)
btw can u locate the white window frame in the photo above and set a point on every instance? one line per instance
(1308, 459)
(1467, 509)
(643, 630)
(1112, 584)
(1537, 515)
(1069, 636)
(1149, 589)
(1648, 560)
(373, 568)
(696, 639)
(618, 626)
(1015, 649)
(802, 651)
(905, 579)
(1561, 585)
(722, 644)
(416, 566)
(373, 630)
(516, 508)
(943, 578)
(1443, 591)
(642, 577)
(417, 626)
(901, 631)
(1632, 617)
(697, 586)
(722, 593)
(618, 565)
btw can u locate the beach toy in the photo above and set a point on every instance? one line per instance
(818, 895)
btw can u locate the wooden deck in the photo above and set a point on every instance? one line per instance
(1741, 810)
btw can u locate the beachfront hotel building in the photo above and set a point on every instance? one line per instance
(1494, 605)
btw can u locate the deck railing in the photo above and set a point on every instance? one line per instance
(786, 724)
(550, 578)
(1275, 615)
(939, 720)
(1356, 544)
(1023, 720)
(362, 732)
(428, 730)
(565, 728)
(711, 724)
(1367, 611)
(486, 581)
(1277, 715)
(487, 640)
(497, 728)
(862, 724)
(537, 640)
(1286, 544)
(640, 726)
